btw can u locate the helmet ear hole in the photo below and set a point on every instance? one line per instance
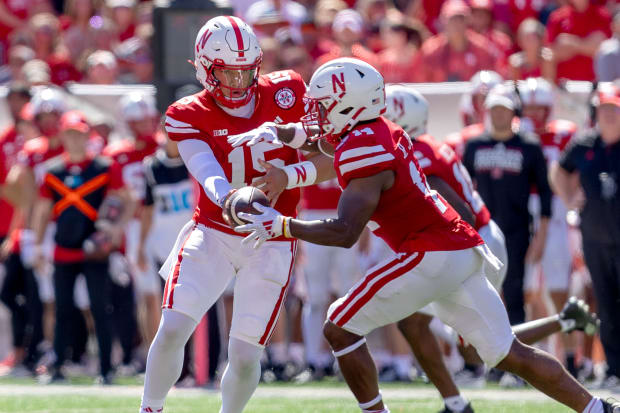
(346, 110)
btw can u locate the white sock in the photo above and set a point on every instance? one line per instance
(595, 406)
(165, 359)
(313, 317)
(456, 403)
(279, 353)
(241, 376)
(296, 352)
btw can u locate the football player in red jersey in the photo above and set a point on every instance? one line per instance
(438, 258)
(472, 109)
(537, 103)
(208, 254)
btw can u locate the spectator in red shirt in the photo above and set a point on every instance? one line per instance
(48, 47)
(400, 61)
(348, 31)
(534, 60)
(457, 53)
(297, 58)
(124, 17)
(525, 9)
(13, 16)
(427, 11)
(574, 33)
(482, 22)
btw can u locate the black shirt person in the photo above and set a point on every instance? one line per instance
(504, 166)
(74, 187)
(587, 178)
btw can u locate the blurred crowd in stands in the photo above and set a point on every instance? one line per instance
(109, 42)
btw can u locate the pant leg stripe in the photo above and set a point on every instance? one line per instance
(364, 282)
(379, 283)
(276, 311)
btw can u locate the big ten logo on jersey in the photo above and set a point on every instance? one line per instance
(133, 176)
(173, 198)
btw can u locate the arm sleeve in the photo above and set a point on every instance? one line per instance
(568, 157)
(542, 184)
(205, 168)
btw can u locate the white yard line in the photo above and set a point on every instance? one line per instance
(271, 392)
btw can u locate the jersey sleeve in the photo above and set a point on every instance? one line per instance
(361, 159)
(45, 191)
(288, 88)
(180, 120)
(116, 176)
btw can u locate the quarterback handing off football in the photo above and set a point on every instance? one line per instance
(241, 200)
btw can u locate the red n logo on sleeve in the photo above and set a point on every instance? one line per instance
(338, 82)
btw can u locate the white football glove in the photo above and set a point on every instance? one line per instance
(266, 132)
(269, 224)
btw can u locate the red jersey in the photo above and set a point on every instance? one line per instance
(394, 70)
(36, 155)
(129, 158)
(279, 98)
(523, 9)
(555, 138)
(443, 64)
(410, 217)
(581, 24)
(357, 50)
(458, 140)
(438, 159)
(10, 144)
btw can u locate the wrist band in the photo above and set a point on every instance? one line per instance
(300, 174)
(286, 229)
(300, 136)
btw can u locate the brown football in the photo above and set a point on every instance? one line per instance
(241, 201)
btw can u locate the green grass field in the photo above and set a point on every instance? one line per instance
(23, 395)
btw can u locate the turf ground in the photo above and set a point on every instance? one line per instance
(23, 395)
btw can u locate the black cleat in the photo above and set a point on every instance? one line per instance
(578, 311)
(611, 406)
(467, 409)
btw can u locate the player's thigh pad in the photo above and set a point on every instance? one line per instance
(495, 240)
(556, 260)
(199, 272)
(477, 313)
(260, 289)
(399, 286)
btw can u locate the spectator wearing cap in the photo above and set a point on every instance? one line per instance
(587, 178)
(400, 60)
(101, 68)
(457, 53)
(574, 33)
(607, 60)
(18, 56)
(482, 22)
(47, 47)
(135, 63)
(36, 73)
(534, 59)
(97, 179)
(348, 32)
(505, 165)
(269, 15)
(123, 15)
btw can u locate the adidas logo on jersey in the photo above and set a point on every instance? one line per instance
(220, 132)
